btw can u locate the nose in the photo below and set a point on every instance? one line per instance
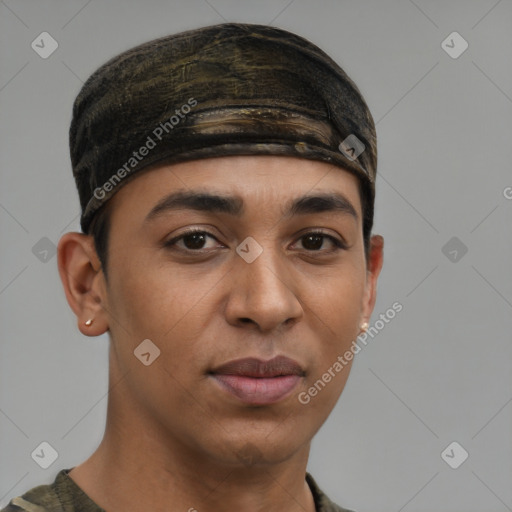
(263, 293)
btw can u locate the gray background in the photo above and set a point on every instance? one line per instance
(439, 372)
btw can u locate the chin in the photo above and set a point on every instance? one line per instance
(263, 451)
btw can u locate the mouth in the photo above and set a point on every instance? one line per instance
(258, 382)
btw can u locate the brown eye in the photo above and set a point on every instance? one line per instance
(192, 241)
(314, 241)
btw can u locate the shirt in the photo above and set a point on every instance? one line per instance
(64, 495)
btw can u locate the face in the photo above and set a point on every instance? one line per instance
(258, 272)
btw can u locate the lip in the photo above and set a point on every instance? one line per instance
(259, 382)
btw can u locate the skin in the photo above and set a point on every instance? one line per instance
(173, 435)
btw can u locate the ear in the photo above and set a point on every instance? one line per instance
(374, 266)
(83, 281)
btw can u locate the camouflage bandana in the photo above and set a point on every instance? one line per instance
(229, 89)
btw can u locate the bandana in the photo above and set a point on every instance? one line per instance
(229, 89)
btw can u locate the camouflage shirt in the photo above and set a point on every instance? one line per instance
(64, 495)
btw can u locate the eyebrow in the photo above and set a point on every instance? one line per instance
(234, 205)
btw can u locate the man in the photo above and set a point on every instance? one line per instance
(226, 177)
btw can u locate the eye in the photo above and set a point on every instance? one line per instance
(193, 240)
(314, 240)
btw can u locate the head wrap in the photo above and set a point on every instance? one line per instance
(229, 89)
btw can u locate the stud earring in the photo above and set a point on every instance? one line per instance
(364, 326)
(88, 322)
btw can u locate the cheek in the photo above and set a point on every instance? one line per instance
(337, 309)
(163, 304)
(338, 301)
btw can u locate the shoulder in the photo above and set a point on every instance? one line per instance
(322, 502)
(43, 498)
(38, 499)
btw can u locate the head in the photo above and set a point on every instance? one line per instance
(242, 230)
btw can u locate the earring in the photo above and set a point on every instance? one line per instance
(88, 322)
(364, 326)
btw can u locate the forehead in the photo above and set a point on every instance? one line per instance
(256, 180)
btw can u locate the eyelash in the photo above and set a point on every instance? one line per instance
(339, 245)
